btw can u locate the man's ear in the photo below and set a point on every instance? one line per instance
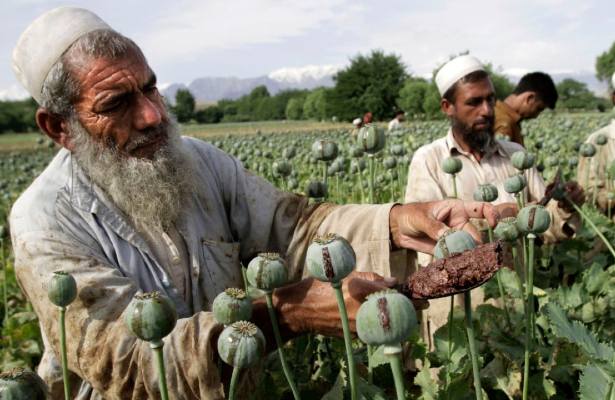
(530, 97)
(447, 107)
(54, 126)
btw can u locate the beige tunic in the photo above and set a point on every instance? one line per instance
(64, 222)
(427, 182)
(597, 167)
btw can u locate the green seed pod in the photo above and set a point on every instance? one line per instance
(371, 139)
(507, 230)
(386, 318)
(515, 184)
(522, 160)
(330, 258)
(573, 161)
(289, 153)
(241, 344)
(358, 165)
(316, 189)
(20, 384)
(453, 242)
(292, 184)
(451, 165)
(356, 151)
(486, 192)
(232, 305)
(390, 162)
(267, 271)
(533, 219)
(282, 168)
(62, 289)
(150, 316)
(324, 150)
(587, 150)
(601, 139)
(398, 150)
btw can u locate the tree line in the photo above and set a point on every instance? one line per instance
(378, 83)
(375, 82)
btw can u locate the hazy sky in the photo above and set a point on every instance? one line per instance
(186, 39)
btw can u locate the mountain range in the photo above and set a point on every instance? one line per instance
(212, 89)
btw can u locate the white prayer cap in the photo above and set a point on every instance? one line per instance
(456, 69)
(42, 44)
(356, 121)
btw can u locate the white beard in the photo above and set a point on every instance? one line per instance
(151, 193)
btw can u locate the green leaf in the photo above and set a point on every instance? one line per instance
(378, 358)
(337, 391)
(368, 391)
(577, 333)
(594, 384)
(458, 345)
(429, 388)
(503, 375)
(596, 279)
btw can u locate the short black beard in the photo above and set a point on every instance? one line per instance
(477, 140)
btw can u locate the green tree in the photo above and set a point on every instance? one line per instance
(501, 84)
(18, 116)
(574, 95)
(294, 108)
(431, 103)
(259, 92)
(315, 105)
(369, 83)
(605, 65)
(184, 105)
(209, 115)
(412, 96)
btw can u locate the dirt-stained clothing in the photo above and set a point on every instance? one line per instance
(597, 167)
(65, 222)
(507, 122)
(427, 181)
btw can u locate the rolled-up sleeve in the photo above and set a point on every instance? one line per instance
(264, 218)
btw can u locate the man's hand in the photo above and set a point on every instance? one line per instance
(418, 226)
(574, 193)
(310, 305)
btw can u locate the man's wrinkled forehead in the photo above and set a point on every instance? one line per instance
(98, 77)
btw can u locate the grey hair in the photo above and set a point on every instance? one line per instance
(61, 88)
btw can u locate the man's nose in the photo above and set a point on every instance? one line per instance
(486, 109)
(147, 114)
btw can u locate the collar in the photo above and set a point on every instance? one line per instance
(512, 115)
(454, 147)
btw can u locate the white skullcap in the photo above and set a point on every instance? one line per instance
(42, 44)
(456, 69)
(356, 121)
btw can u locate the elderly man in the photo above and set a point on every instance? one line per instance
(534, 92)
(128, 205)
(468, 101)
(600, 163)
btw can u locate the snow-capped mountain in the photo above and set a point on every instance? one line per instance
(304, 74)
(209, 89)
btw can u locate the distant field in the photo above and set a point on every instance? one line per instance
(27, 141)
